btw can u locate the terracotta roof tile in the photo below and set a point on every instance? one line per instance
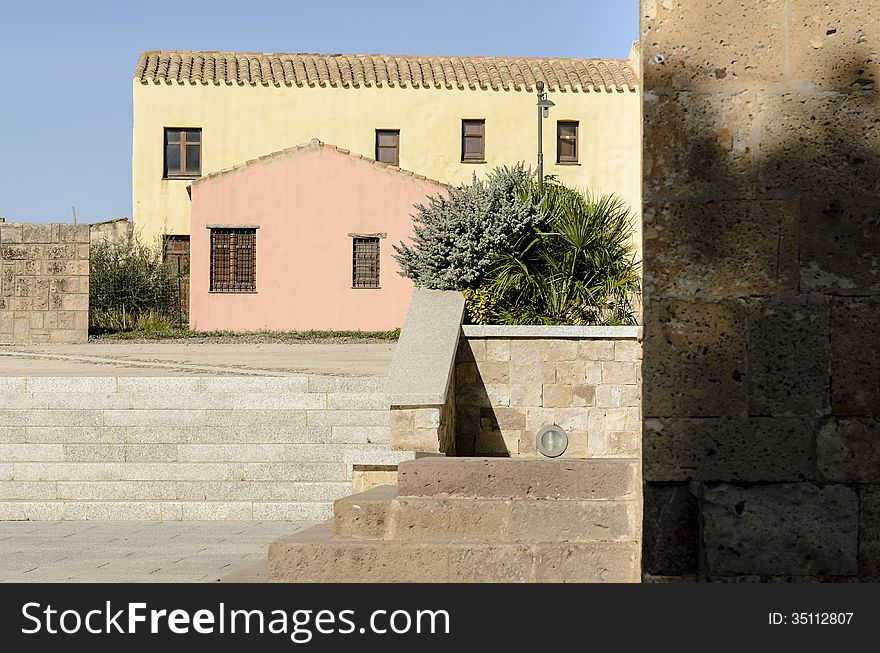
(497, 73)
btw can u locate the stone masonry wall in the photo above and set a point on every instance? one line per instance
(762, 289)
(508, 388)
(45, 283)
(425, 429)
(186, 448)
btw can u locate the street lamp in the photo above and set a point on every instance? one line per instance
(543, 111)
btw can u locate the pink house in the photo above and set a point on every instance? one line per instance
(301, 239)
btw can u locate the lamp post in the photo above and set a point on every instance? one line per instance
(543, 111)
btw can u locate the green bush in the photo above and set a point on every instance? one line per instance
(130, 287)
(458, 235)
(575, 267)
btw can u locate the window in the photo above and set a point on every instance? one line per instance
(388, 146)
(473, 138)
(233, 259)
(183, 153)
(566, 142)
(365, 264)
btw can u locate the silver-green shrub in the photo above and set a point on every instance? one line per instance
(458, 235)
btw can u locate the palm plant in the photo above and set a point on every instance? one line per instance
(575, 267)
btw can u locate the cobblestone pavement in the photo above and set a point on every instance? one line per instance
(139, 552)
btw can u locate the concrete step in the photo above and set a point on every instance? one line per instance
(313, 555)
(520, 478)
(380, 514)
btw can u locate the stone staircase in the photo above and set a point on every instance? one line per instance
(478, 520)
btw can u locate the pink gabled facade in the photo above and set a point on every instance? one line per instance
(307, 203)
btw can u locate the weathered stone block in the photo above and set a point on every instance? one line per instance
(36, 233)
(698, 145)
(557, 396)
(834, 44)
(671, 530)
(498, 350)
(619, 373)
(596, 350)
(571, 521)
(627, 350)
(573, 373)
(493, 372)
(10, 233)
(508, 563)
(695, 359)
(589, 562)
(713, 44)
(525, 395)
(583, 395)
(689, 248)
(789, 355)
(505, 478)
(840, 247)
(855, 350)
(869, 530)
(624, 443)
(363, 515)
(848, 449)
(834, 152)
(719, 449)
(557, 349)
(788, 528)
(525, 361)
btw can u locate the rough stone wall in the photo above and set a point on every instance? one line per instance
(762, 287)
(425, 429)
(186, 448)
(113, 230)
(508, 388)
(45, 283)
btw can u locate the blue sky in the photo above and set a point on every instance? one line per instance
(65, 96)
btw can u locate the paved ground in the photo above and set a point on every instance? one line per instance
(180, 357)
(140, 552)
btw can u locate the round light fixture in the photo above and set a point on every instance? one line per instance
(551, 441)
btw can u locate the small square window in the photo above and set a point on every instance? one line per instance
(183, 153)
(233, 260)
(365, 263)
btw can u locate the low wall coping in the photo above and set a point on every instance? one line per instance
(542, 331)
(424, 359)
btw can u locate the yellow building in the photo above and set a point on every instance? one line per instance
(442, 117)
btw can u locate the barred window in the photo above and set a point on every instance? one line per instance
(365, 267)
(233, 260)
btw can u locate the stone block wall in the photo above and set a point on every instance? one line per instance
(762, 289)
(187, 448)
(508, 387)
(45, 283)
(425, 429)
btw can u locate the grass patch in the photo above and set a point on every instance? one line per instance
(157, 330)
